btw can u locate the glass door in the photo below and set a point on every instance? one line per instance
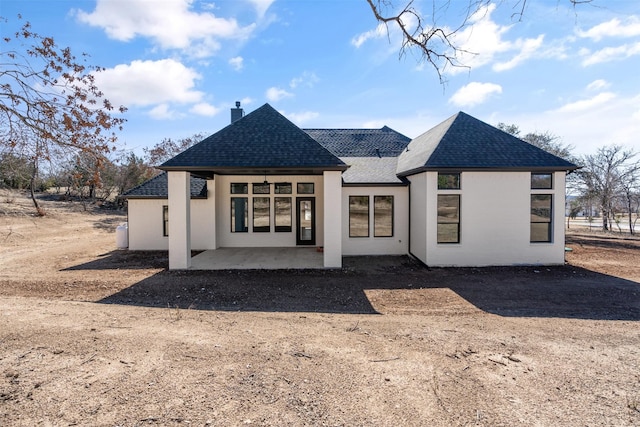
(306, 221)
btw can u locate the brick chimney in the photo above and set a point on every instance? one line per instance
(236, 113)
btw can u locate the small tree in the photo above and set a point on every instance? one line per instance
(49, 103)
(15, 171)
(132, 171)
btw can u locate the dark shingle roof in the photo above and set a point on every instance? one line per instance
(371, 170)
(464, 142)
(157, 188)
(263, 139)
(384, 142)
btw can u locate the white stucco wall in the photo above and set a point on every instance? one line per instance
(332, 236)
(418, 216)
(145, 223)
(495, 221)
(224, 236)
(396, 245)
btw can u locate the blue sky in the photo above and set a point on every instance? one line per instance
(179, 65)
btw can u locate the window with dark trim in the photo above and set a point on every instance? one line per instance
(358, 216)
(541, 181)
(541, 211)
(239, 214)
(448, 181)
(305, 188)
(282, 188)
(261, 214)
(261, 188)
(448, 218)
(282, 213)
(239, 188)
(165, 220)
(382, 216)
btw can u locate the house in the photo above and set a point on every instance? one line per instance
(462, 194)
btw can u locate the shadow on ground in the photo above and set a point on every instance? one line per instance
(125, 260)
(561, 291)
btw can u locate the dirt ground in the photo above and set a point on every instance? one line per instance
(90, 335)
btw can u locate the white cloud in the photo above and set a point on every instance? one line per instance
(613, 28)
(480, 41)
(276, 94)
(237, 63)
(587, 129)
(162, 112)
(170, 24)
(598, 84)
(302, 117)
(307, 79)
(145, 83)
(474, 93)
(261, 6)
(484, 40)
(527, 49)
(379, 32)
(611, 54)
(587, 104)
(204, 109)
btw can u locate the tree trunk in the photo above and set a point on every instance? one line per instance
(630, 215)
(32, 184)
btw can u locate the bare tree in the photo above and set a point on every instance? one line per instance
(434, 42)
(605, 174)
(49, 103)
(168, 148)
(630, 192)
(545, 140)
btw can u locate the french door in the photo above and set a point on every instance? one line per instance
(305, 220)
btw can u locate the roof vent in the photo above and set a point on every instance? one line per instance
(236, 113)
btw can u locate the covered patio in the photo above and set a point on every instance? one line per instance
(258, 258)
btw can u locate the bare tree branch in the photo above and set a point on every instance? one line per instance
(49, 101)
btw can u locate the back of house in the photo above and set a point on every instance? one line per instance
(464, 193)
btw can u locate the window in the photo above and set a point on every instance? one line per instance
(541, 181)
(448, 181)
(261, 188)
(383, 216)
(165, 220)
(305, 188)
(448, 218)
(261, 214)
(282, 208)
(282, 188)
(541, 217)
(358, 216)
(239, 188)
(239, 214)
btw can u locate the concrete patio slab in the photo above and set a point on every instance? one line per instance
(258, 258)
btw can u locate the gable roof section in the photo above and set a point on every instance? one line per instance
(465, 143)
(262, 140)
(371, 171)
(158, 188)
(383, 142)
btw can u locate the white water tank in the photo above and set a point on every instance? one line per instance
(122, 236)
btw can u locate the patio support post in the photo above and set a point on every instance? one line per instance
(179, 220)
(332, 219)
